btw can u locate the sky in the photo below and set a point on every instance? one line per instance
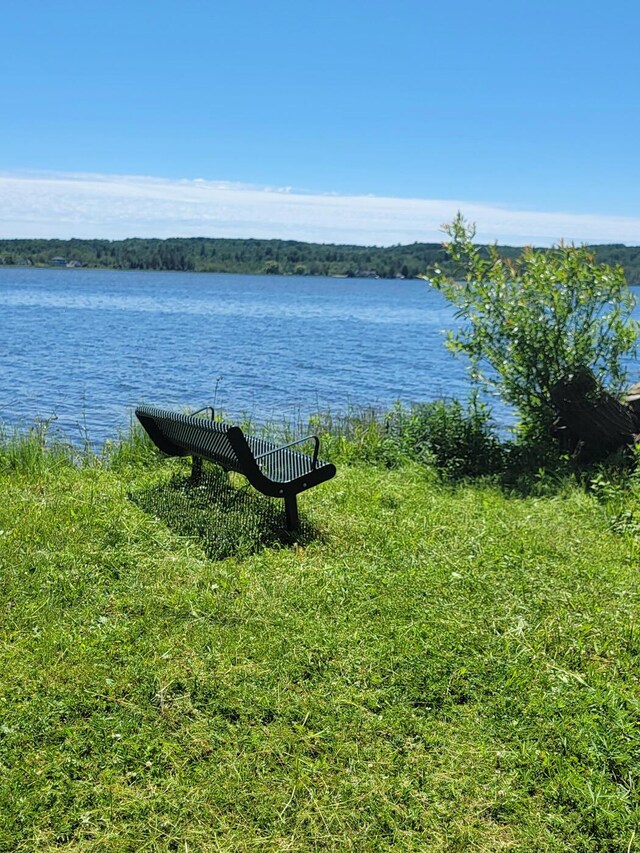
(356, 122)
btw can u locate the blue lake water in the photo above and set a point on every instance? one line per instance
(86, 346)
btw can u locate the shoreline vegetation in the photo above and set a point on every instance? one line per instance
(445, 659)
(276, 257)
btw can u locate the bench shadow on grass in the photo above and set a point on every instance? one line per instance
(226, 519)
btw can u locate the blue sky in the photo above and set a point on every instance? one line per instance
(243, 119)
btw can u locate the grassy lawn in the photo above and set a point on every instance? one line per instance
(435, 668)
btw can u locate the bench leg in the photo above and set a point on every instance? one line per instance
(196, 469)
(291, 511)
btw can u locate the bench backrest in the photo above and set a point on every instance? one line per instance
(274, 471)
(184, 435)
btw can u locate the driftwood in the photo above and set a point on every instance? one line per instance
(592, 423)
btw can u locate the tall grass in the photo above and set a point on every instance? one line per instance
(34, 451)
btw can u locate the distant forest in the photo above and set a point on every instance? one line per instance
(278, 257)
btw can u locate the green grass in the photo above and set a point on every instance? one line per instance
(429, 668)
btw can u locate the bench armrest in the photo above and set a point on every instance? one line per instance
(204, 409)
(313, 438)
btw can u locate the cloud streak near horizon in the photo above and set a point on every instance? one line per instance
(65, 205)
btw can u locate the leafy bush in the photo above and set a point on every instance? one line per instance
(458, 441)
(537, 319)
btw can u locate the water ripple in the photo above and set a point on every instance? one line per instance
(86, 346)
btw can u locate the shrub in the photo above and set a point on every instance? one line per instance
(458, 441)
(535, 320)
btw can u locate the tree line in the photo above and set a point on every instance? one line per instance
(278, 257)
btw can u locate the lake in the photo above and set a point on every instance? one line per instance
(84, 347)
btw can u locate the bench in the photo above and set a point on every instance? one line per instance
(276, 471)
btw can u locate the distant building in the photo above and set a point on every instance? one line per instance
(74, 264)
(58, 262)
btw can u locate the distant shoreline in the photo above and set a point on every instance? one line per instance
(337, 276)
(263, 257)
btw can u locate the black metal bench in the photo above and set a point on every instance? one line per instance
(276, 471)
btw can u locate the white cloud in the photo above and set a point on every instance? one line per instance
(114, 206)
